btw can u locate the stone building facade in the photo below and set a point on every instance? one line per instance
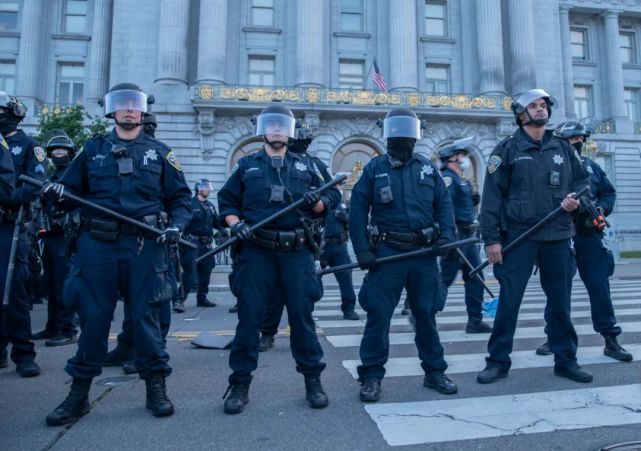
(213, 64)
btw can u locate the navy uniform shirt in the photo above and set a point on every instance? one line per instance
(337, 222)
(526, 180)
(247, 192)
(156, 184)
(602, 192)
(462, 194)
(7, 174)
(419, 199)
(28, 159)
(204, 219)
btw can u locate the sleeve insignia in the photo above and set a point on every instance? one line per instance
(448, 180)
(41, 155)
(493, 164)
(171, 158)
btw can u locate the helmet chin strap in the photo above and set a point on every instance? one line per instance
(275, 144)
(535, 122)
(128, 125)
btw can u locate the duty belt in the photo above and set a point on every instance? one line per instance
(282, 240)
(466, 228)
(200, 238)
(335, 240)
(108, 230)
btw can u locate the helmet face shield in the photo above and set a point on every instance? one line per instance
(4, 99)
(275, 124)
(124, 100)
(401, 127)
(204, 185)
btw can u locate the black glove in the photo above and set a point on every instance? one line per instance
(52, 192)
(476, 198)
(311, 198)
(437, 247)
(171, 235)
(242, 231)
(366, 259)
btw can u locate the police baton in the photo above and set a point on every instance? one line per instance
(107, 211)
(478, 276)
(221, 247)
(12, 257)
(529, 232)
(406, 255)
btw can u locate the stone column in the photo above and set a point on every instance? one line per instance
(28, 70)
(403, 45)
(566, 55)
(616, 102)
(522, 45)
(212, 41)
(490, 46)
(99, 52)
(172, 44)
(310, 38)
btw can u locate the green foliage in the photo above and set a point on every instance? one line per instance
(631, 254)
(74, 120)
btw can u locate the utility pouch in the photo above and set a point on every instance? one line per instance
(103, 230)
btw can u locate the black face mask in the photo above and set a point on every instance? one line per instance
(277, 145)
(401, 148)
(9, 125)
(298, 145)
(578, 146)
(61, 161)
(149, 129)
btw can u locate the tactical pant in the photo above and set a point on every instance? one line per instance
(336, 254)
(451, 264)
(60, 314)
(102, 270)
(556, 267)
(596, 264)
(380, 295)
(126, 336)
(15, 320)
(256, 275)
(197, 275)
(273, 313)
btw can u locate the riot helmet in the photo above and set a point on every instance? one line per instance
(521, 103)
(203, 187)
(149, 124)
(60, 140)
(125, 97)
(571, 129)
(304, 134)
(401, 123)
(12, 112)
(275, 120)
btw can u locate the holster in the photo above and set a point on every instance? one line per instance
(282, 240)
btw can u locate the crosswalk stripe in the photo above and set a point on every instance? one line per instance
(411, 423)
(352, 340)
(472, 363)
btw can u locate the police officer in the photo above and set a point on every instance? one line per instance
(595, 262)
(530, 174)
(275, 256)
(303, 137)
(454, 161)
(140, 177)
(405, 197)
(60, 328)
(149, 124)
(200, 231)
(28, 158)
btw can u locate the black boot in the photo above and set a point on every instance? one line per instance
(439, 382)
(205, 303)
(476, 325)
(314, 393)
(28, 369)
(238, 398)
(490, 375)
(118, 356)
(370, 389)
(43, 335)
(130, 367)
(62, 340)
(615, 350)
(75, 405)
(157, 400)
(544, 349)
(351, 315)
(265, 343)
(573, 372)
(179, 306)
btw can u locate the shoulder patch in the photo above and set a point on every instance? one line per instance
(171, 158)
(448, 180)
(3, 143)
(41, 155)
(493, 163)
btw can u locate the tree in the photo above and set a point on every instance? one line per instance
(73, 120)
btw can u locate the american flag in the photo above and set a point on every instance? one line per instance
(378, 78)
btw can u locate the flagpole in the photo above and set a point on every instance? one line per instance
(369, 72)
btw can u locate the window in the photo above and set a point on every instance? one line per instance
(261, 70)
(351, 74)
(631, 97)
(75, 19)
(8, 76)
(437, 79)
(579, 43)
(352, 15)
(583, 101)
(435, 18)
(71, 78)
(262, 14)
(8, 15)
(628, 50)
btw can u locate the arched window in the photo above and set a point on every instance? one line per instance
(352, 157)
